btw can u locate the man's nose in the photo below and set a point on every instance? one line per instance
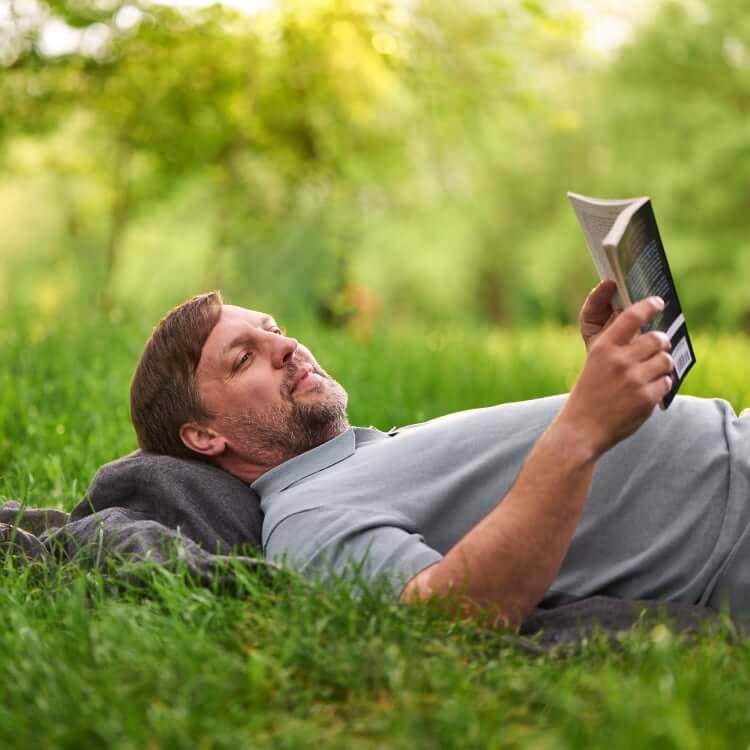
(283, 350)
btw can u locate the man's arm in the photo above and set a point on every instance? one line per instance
(507, 562)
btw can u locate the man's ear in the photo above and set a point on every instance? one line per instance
(202, 439)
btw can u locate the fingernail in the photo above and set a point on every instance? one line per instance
(666, 340)
(658, 302)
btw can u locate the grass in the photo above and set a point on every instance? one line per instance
(90, 661)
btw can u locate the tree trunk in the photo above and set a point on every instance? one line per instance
(119, 216)
(230, 187)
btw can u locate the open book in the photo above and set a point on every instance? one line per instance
(625, 244)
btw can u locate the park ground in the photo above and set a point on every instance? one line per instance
(91, 661)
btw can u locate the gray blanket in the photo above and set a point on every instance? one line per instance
(169, 511)
(151, 508)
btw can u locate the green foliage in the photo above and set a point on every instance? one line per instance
(265, 116)
(688, 77)
(362, 160)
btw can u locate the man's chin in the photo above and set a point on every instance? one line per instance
(317, 390)
(324, 405)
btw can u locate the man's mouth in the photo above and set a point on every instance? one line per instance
(305, 375)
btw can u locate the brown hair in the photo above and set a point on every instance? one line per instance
(164, 392)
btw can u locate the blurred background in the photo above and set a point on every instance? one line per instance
(363, 164)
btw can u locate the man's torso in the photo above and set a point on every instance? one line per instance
(665, 507)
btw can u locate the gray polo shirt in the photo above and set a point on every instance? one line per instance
(666, 507)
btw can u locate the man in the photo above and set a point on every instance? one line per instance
(491, 510)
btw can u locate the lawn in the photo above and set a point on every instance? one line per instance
(89, 661)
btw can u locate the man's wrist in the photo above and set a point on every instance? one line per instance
(577, 442)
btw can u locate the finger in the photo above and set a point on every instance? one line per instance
(598, 303)
(648, 344)
(630, 321)
(659, 365)
(659, 388)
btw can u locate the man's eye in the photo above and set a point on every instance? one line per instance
(278, 331)
(241, 361)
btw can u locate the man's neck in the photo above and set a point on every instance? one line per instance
(248, 469)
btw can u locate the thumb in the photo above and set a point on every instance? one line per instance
(597, 304)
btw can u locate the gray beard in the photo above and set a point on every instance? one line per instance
(282, 433)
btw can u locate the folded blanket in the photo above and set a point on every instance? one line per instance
(208, 505)
(147, 507)
(570, 623)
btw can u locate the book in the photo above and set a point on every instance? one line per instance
(625, 244)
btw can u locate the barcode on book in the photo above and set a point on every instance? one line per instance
(681, 357)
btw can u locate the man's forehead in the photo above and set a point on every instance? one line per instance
(236, 316)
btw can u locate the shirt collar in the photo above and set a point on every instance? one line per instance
(337, 449)
(291, 471)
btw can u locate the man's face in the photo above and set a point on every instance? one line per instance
(268, 397)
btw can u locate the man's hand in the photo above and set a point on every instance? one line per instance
(597, 313)
(625, 376)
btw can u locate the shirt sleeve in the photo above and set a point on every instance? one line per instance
(326, 543)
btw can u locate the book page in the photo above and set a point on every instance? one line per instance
(596, 217)
(596, 224)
